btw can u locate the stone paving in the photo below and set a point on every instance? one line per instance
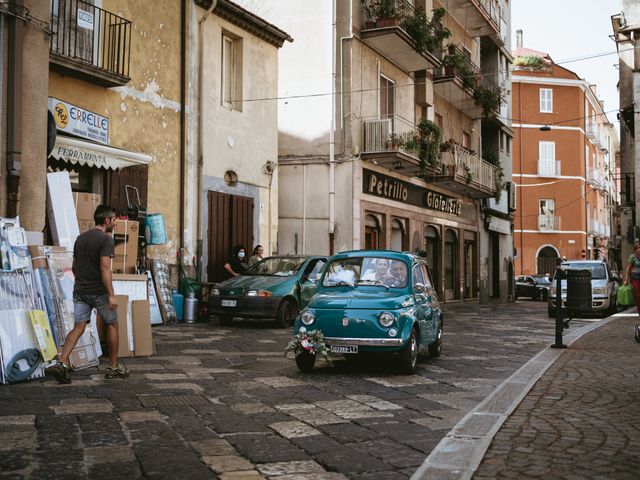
(582, 418)
(223, 402)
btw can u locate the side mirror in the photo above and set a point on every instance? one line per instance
(419, 289)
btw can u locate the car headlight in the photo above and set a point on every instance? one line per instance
(386, 319)
(307, 317)
(215, 291)
(599, 290)
(258, 293)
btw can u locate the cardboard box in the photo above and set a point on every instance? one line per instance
(142, 337)
(124, 339)
(125, 238)
(39, 254)
(86, 204)
(85, 225)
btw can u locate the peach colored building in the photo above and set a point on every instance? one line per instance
(563, 165)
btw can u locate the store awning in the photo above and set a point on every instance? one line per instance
(82, 152)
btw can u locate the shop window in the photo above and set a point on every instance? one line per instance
(432, 252)
(398, 235)
(450, 264)
(372, 232)
(231, 94)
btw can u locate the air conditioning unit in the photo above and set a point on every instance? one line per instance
(512, 196)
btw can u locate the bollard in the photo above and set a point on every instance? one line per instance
(559, 323)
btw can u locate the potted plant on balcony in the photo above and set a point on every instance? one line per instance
(468, 176)
(429, 136)
(369, 15)
(394, 142)
(489, 99)
(385, 14)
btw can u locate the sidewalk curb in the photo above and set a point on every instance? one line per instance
(459, 453)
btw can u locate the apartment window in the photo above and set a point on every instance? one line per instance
(502, 141)
(231, 94)
(508, 144)
(547, 211)
(546, 100)
(466, 140)
(387, 97)
(547, 151)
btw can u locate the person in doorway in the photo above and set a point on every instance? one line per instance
(92, 254)
(235, 266)
(257, 255)
(633, 274)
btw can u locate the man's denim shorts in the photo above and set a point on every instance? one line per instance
(84, 304)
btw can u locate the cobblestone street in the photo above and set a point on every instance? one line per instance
(224, 403)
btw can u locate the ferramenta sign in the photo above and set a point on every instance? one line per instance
(374, 183)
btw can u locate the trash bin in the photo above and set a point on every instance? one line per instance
(578, 290)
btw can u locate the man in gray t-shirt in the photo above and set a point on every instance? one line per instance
(92, 254)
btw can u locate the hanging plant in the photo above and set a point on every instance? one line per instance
(468, 176)
(428, 36)
(489, 99)
(429, 138)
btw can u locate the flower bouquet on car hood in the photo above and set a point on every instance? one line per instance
(311, 342)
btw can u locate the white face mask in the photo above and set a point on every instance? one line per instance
(240, 254)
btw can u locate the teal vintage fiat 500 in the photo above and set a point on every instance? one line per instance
(372, 301)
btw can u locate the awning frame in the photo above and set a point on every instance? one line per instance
(91, 154)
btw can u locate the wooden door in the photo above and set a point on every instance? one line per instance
(230, 223)
(117, 182)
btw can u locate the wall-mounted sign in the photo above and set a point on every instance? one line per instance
(374, 183)
(77, 121)
(85, 19)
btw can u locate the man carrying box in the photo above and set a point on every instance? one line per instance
(92, 254)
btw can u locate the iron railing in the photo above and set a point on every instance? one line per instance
(548, 168)
(491, 8)
(468, 168)
(390, 133)
(91, 36)
(457, 63)
(547, 222)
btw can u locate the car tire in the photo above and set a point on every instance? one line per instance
(435, 348)
(305, 361)
(613, 307)
(409, 354)
(551, 312)
(541, 295)
(287, 313)
(226, 320)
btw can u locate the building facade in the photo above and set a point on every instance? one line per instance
(404, 140)
(564, 166)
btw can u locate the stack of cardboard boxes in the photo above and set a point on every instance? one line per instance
(86, 204)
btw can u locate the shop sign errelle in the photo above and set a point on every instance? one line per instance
(374, 183)
(78, 121)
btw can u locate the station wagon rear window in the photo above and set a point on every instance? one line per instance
(373, 271)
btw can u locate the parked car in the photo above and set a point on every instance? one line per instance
(604, 287)
(276, 287)
(374, 301)
(535, 287)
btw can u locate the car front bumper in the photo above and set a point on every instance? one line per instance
(248, 307)
(598, 304)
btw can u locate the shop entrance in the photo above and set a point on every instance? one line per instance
(470, 261)
(230, 223)
(432, 251)
(372, 233)
(451, 252)
(547, 260)
(494, 264)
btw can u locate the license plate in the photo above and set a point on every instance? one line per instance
(344, 349)
(229, 303)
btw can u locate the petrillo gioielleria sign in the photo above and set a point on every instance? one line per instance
(384, 186)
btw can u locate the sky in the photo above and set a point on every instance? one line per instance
(569, 29)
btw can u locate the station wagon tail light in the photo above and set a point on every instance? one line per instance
(258, 293)
(307, 317)
(386, 319)
(215, 291)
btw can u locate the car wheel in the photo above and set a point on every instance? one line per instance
(541, 295)
(551, 312)
(436, 347)
(287, 313)
(613, 307)
(226, 320)
(409, 354)
(305, 361)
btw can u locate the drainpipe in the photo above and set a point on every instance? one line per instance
(183, 126)
(14, 108)
(332, 159)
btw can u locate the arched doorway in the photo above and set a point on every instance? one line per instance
(397, 235)
(547, 260)
(432, 251)
(451, 283)
(372, 232)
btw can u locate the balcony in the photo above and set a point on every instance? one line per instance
(479, 17)
(466, 173)
(593, 134)
(464, 86)
(548, 222)
(392, 142)
(90, 43)
(548, 168)
(596, 179)
(401, 33)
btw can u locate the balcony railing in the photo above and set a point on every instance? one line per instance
(480, 17)
(548, 222)
(476, 92)
(596, 178)
(90, 42)
(401, 33)
(594, 134)
(467, 173)
(548, 168)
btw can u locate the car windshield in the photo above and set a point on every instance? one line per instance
(598, 270)
(380, 271)
(278, 266)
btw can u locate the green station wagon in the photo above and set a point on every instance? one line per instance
(276, 287)
(374, 301)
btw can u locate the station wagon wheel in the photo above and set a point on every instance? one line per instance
(305, 361)
(436, 347)
(287, 313)
(409, 354)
